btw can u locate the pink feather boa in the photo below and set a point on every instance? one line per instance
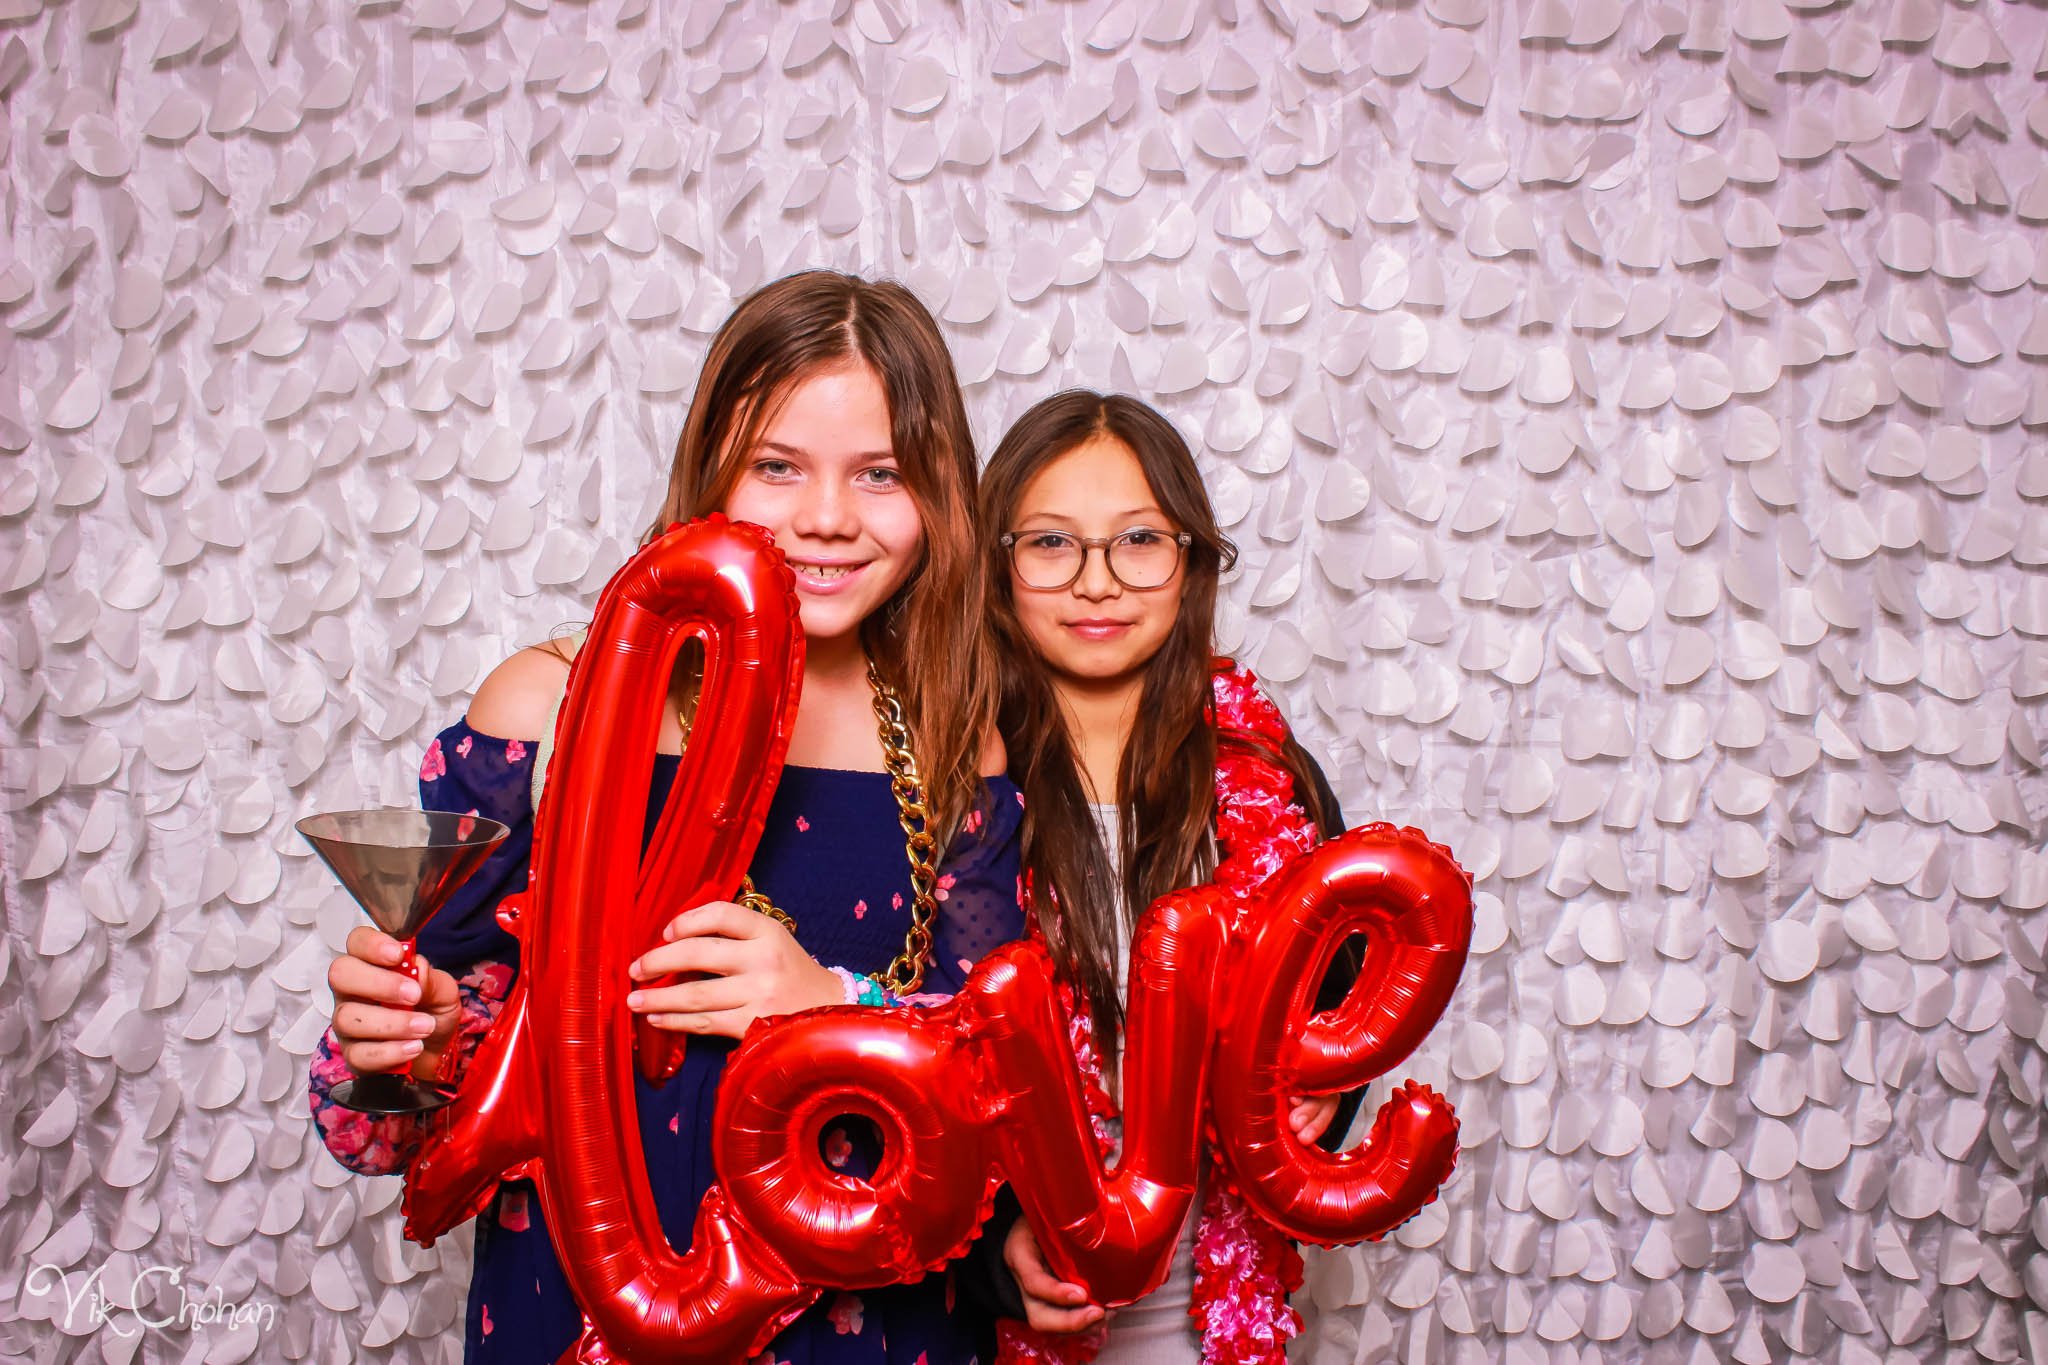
(1245, 1269)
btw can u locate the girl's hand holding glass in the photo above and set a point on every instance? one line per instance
(382, 1019)
(746, 965)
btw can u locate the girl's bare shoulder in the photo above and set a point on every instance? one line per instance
(517, 700)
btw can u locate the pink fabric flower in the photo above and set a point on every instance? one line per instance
(515, 749)
(343, 1136)
(838, 1149)
(845, 1314)
(513, 1214)
(434, 765)
(860, 909)
(491, 980)
(369, 1145)
(488, 1326)
(802, 825)
(1244, 1271)
(462, 749)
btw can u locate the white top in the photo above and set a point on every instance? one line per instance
(1156, 1330)
(1107, 824)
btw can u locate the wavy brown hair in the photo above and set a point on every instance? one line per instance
(1166, 780)
(929, 638)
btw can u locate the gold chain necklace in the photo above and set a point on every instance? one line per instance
(906, 973)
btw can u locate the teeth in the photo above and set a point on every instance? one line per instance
(825, 573)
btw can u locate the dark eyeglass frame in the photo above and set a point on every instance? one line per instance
(1181, 541)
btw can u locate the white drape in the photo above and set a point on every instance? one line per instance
(1626, 411)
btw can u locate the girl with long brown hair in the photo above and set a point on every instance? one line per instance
(829, 413)
(1103, 562)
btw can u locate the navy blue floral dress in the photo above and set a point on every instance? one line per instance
(832, 856)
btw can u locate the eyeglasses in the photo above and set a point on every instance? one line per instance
(1141, 558)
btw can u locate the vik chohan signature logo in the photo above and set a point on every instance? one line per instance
(151, 1298)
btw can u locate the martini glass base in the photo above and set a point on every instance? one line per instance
(389, 1093)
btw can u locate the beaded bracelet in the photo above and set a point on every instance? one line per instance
(862, 990)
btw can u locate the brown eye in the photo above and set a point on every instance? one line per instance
(1046, 559)
(1143, 558)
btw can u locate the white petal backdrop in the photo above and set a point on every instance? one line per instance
(1629, 413)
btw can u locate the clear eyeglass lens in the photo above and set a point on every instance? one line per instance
(1047, 561)
(1143, 559)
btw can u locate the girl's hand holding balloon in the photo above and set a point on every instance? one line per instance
(383, 1019)
(1050, 1303)
(1309, 1115)
(745, 967)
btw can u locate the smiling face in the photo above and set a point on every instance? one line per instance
(1094, 630)
(822, 477)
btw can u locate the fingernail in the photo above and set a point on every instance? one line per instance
(634, 1000)
(409, 993)
(411, 1049)
(421, 1025)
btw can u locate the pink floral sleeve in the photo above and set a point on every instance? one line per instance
(373, 1145)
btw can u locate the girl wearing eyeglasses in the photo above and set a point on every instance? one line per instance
(1103, 574)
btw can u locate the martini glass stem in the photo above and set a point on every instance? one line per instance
(409, 968)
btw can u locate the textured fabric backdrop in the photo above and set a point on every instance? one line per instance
(1628, 412)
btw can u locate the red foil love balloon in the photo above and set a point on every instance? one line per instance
(965, 1095)
(1220, 1019)
(549, 1094)
(1413, 904)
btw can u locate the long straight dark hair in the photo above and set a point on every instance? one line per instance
(928, 639)
(1166, 783)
